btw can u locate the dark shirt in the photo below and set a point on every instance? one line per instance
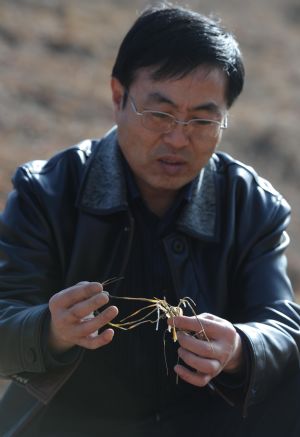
(132, 380)
(146, 355)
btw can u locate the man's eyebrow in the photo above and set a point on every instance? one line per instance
(207, 106)
(160, 98)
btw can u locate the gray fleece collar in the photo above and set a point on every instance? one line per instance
(104, 190)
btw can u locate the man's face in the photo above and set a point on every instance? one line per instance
(164, 162)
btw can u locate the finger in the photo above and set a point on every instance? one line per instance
(211, 327)
(94, 342)
(77, 293)
(88, 306)
(89, 326)
(194, 378)
(209, 316)
(187, 323)
(203, 348)
(205, 366)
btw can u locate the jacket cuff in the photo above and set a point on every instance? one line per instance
(234, 386)
(55, 361)
(255, 390)
(31, 357)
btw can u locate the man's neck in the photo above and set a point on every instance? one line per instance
(158, 202)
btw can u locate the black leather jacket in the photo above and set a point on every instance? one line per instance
(67, 220)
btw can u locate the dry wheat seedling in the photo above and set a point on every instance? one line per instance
(160, 309)
(163, 310)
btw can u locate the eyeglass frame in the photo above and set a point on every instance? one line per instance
(173, 120)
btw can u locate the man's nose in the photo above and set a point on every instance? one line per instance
(178, 136)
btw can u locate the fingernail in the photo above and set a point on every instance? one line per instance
(108, 334)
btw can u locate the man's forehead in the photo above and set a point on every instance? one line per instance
(203, 84)
(151, 74)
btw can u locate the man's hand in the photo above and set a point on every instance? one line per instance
(223, 351)
(72, 320)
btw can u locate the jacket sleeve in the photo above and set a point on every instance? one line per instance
(32, 261)
(24, 253)
(267, 318)
(31, 271)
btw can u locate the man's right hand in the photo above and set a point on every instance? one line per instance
(72, 320)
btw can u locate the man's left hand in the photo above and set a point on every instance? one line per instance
(206, 359)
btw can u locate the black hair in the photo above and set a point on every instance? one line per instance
(174, 41)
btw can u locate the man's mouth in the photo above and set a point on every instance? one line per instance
(172, 165)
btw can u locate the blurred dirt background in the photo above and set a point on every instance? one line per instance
(55, 63)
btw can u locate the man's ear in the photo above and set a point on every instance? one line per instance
(118, 92)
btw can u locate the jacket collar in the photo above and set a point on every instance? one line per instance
(103, 190)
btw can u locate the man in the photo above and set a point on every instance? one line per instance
(155, 211)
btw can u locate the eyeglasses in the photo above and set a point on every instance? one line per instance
(163, 122)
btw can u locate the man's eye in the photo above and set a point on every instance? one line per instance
(202, 122)
(160, 116)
